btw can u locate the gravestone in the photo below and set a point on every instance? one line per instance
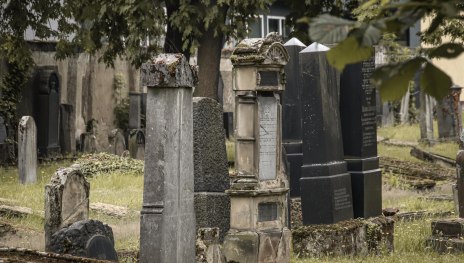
(88, 142)
(27, 150)
(3, 144)
(134, 110)
(117, 142)
(67, 129)
(66, 201)
(229, 124)
(359, 133)
(86, 238)
(426, 117)
(258, 193)
(137, 144)
(449, 114)
(167, 223)
(47, 112)
(291, 115)
(211, 174)
(325, 184)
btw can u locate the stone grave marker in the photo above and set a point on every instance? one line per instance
(211, 175)
(117, 142)
(3, 145)
(291, 115)
(27, 150)
(67, 129)
(134, 110)
(359, 133)
(449, 114)
(426, 117)
(137, 144)
(325, 184)
(66, 201)
(167, 223)
(47, 115)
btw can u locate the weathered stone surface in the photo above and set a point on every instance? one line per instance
(445, 244)
(448, 228)
(66, 201)
(134, 110)
(167, 224)
(117, 142)
(67, 129)
(107, 209)
(6, 229)
(15, 211)
(86, 238)
(137, 144)
(168, 71)
(29, 255)
(88, 142)
(209, 150)
(27, 150)
(213, 210)
(449, 114)
(352, 237)
(241, 247)
(208, 248)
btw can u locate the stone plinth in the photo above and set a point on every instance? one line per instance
(359, 132)
(167, 223)
(447, 235)
(27, 150)
(66, 201)
(325, 184)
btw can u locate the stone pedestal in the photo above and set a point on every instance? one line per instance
(359, 132)
(291, 115)
(258, 195)
(167, 223)
(27, 150)
(325, 184)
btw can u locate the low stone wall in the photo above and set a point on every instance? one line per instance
(352, 237)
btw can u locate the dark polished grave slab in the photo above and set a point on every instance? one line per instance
(359, 131)
(325, 184)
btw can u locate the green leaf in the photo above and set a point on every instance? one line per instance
(393, 80)
(367, 34)
(327, 29)
(435, 82)
(448, 50)
(347, 52)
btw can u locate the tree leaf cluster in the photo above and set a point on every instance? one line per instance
(393, 17)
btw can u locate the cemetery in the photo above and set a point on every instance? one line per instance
(230, 132)
(309, 173)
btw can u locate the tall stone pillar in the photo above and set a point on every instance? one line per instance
(167, 224)
(258, 195)
(27, 150)
(291, 116)
(426, 118)
(359, 132)
(325, 184)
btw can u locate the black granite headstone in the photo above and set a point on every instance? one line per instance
(291, 115)
(325, 184)
(101, 247)
(358, 118)
(47, 112)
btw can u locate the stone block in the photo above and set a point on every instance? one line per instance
(208, 248)
(27, 150)
(241, 247)
(209, 150)
(451, 228)
(168, 71)
(117, 142)
(213, 210)
(445, 245)
(66, 201)
(274, 246)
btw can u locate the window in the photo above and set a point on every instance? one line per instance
(277, 24)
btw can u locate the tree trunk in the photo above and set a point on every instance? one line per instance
(173, 41)
(209, 60)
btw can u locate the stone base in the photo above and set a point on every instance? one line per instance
(352, 237)
(213, 210)
(264, 246)
(447, 236)
(367, 193)
(326, 199)
(445, 245)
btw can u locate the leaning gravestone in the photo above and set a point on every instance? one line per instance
(359, 132)
(86, 238)
(117, 142)
(291, 115)
(211, 175)
(27, 150)
(167, 223)
(66, 201)
(325, 184)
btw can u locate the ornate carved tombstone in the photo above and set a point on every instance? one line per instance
(47, 111)
(259, 191)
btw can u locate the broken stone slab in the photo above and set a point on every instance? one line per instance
(6, 228)
(451, 228)
(15, 211)
(86, 238)
(445, 245)
(416, 215)
(108, 209)
(32, 256)
(351, 237)
(433, 158)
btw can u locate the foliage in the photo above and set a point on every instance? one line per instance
(97, 164)
(121, 108)
(395, 17)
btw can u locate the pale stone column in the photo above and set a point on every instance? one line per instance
(27, 150)
(167, 224)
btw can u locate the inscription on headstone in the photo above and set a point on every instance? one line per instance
(268, 137)
(269, 78)
(267, 212)
(342, 199)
